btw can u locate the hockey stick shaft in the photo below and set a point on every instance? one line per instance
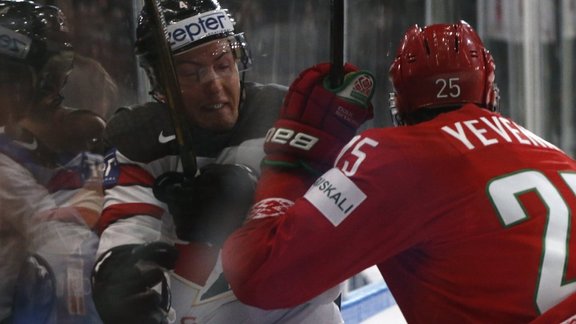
(336, 42)
(171, 87)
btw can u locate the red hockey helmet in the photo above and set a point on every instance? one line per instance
(440, 66)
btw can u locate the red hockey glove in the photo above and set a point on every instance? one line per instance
(317, 121)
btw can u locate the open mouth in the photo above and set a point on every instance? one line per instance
(215, 106)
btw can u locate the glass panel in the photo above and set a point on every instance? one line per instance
(105, 74)
(533, 44)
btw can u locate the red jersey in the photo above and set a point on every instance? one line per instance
(467, 216)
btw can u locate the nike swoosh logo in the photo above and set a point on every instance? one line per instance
(165, 139)
(30, 146)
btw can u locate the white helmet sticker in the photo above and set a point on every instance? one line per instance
(14, 44)
(193, 29)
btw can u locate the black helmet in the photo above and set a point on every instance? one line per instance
(36, 35)
(190, 23)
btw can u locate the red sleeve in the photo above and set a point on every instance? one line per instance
(247, 250)
(283, 183)
(290, 253)
(346, 221)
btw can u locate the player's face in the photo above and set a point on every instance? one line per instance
(54, 76)
(210, 84)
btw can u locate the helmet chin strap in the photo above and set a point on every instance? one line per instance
(242, 92)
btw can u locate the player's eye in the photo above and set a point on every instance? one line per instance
(223, 67)
(185, 70)
(189, 72)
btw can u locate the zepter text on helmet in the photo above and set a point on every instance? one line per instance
(193, 29)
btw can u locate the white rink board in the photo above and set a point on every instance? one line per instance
(371, 304)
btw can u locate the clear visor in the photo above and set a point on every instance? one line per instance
(217, 59)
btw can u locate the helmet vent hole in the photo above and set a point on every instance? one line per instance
(427, 47)
(474, 53)
(411, 58)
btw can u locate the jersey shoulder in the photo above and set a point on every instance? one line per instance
(142, 133)
(265, 91)
(259, 111)
(264, 99)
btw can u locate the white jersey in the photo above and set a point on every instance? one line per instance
(19, 193)
(45, 211)
(145, 148)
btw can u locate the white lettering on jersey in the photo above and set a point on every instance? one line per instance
(335, 196)
(494, 130)
(570, 320)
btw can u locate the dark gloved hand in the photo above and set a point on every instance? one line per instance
(316, 121)
(210, 206)
(35, 295)
(123, 280)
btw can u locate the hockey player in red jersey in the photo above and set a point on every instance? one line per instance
(466, 213)
(151, 206)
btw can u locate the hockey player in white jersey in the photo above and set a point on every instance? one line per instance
(227, 120)
(49, 198)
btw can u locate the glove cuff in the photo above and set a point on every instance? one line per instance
(287, 162)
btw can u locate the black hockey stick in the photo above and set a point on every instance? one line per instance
(337, 59)
(172, 88)
(336, 42)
